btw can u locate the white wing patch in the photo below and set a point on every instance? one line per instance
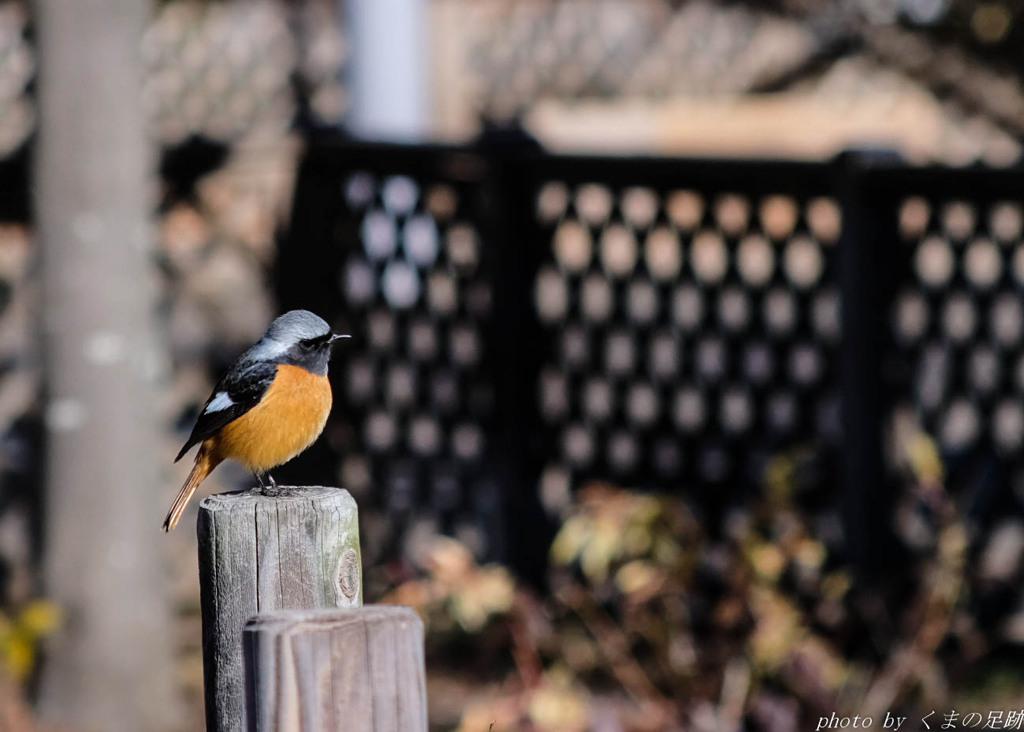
(267, 350)
(220, 401)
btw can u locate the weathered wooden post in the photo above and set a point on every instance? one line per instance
(358, 670)
(294, 548)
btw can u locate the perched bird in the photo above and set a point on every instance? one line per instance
(271, 404)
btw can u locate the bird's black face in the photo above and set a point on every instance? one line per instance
(312, 354)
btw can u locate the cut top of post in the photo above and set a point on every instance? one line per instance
(250, 499)
(296, 538)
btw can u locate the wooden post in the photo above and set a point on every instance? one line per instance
(355, 670)
(296, 548)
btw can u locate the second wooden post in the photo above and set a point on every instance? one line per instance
(295, 548)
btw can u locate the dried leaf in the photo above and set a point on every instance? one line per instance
(810, 553)
(767, 560)
(571, 539)
(39, 617)
(605, 545)
(778, 629)
(557, 705)
(450, 561)
(489, 591)
(18, 654)
(923, 457)
(638, 576)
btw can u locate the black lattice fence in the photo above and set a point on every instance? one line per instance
(395, 246)
(957, 340)
(690, 318)
(526, 322)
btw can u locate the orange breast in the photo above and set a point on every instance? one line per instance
(287, 420)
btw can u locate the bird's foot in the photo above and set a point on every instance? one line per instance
(267, 488)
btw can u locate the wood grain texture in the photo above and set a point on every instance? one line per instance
(297, 548)
(358, 670)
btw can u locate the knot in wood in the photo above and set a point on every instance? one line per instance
(348, 574)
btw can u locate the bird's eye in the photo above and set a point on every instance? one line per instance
(306, 345)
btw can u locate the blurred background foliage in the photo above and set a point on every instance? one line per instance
(650, 621)
(20, 633)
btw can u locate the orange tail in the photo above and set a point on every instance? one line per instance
(205, 463)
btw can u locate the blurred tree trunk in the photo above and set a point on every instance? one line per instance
(111, 667)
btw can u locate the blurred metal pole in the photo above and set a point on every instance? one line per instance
(388, 69)
(112, 666)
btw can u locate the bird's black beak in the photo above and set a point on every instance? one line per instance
(338, 337)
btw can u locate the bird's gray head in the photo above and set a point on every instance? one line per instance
(300, 338)
(295, 326)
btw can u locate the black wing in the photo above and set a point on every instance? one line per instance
(239, 390)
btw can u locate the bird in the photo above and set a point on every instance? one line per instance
(271, 405)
